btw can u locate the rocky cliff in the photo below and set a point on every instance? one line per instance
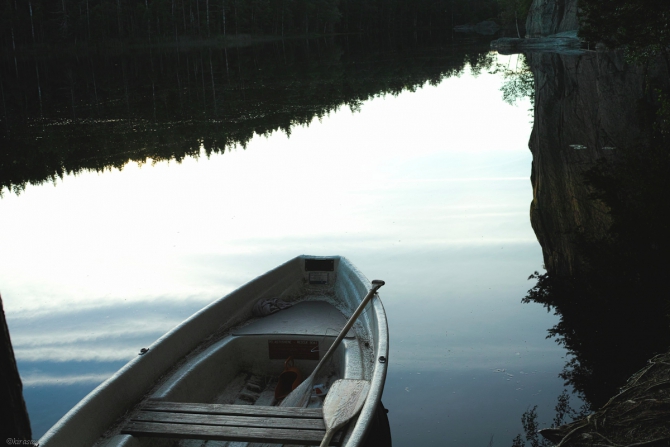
(585, 108)
(608, 270)
(547, 17)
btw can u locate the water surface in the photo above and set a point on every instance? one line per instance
(406, 160)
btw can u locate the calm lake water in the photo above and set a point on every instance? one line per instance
(404, 159)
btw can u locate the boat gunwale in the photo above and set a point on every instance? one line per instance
(124, 391)
(356, 436)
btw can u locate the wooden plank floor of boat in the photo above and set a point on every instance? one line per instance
(249, 423)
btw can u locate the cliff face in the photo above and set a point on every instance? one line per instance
(547, 17)
(607, 272)
(584, 105)
(607, 269)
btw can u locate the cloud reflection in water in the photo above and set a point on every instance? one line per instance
(426, 190)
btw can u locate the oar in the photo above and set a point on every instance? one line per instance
(344, 400)
(299, 396)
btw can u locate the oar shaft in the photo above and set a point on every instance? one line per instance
(376, 284)
(327, 438)
(300, 396)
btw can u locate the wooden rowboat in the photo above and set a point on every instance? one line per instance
(213, 377)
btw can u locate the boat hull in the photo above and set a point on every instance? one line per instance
(194, 361)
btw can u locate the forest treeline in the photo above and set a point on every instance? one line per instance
(46, 22)
(62, 115)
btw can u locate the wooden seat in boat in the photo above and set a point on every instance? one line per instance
(249, 423)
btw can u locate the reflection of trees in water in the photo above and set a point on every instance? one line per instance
(614, 310)
(102, 110)
(480, 61)
(519, 82)
(43, 22)
(529, 420)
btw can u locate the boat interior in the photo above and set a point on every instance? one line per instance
(242, 366)
(211, 380)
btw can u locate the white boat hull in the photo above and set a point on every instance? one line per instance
(200, 360)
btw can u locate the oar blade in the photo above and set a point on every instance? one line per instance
(299, 396)
(344, 400)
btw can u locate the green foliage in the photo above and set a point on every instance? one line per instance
(518, 441)
(565, 413)
(531, 427)
(642, 27)
(478, 62)
(513, 13)
(519, 81)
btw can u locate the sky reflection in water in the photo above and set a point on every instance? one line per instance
(428, 190)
